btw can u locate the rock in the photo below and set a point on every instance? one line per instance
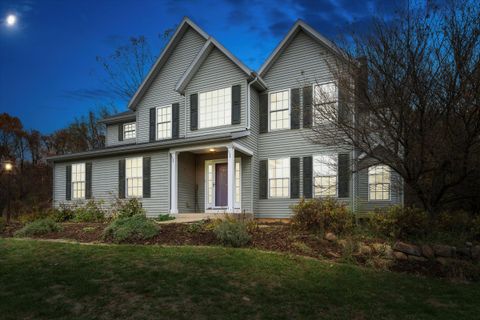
(445, 261)
(407, 248)
(427, 251)
(399, 255)
(342, 243)
(330, 236)
(383, 249)
(332, 254)
(476, 253)
(464, 253)
(444, 251)
(246, 299)
(418, 259)
(468, 244)
(365, 250)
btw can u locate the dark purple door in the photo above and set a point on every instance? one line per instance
(221, 185)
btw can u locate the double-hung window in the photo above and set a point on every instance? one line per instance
(134, 177)
(325, 97)
(129, 130)
(279, 110)
(78, 181)
(279, 178)
(215, 108)
(164, 122)
(379, 182)
(325, 170)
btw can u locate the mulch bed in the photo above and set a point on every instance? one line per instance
(272, 237)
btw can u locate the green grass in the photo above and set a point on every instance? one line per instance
(47, 280)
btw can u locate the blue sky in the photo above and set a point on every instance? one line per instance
(48, 71)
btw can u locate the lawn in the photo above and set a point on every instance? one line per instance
(48, 280)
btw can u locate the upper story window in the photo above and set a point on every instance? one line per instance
(134, 176)
(164, 122)
(379, 182)
(78, 181)
(325, 97)
(279, 110)
(215, 108)
(325, 170)
(279, 178)
(129, 130)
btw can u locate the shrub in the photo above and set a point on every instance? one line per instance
(34, 214)
(90, 212)
(37, 227)
(322, 215)
(62, 214)
(475, 229)
(3, 224)
(164, 217)
(137, 227)
(232, 233)
(127, 208)
(400, 222)
(454, 221)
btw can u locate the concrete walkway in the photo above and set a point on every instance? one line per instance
(193, 217)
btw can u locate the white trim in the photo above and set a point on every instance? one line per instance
(390, 184)
(200, 147)
(289, 109)
(242, 148)
(289, 177)
(313, 174)
(156, 122)
(210, 207)
(173, 182)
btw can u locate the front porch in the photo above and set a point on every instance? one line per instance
(211, 179)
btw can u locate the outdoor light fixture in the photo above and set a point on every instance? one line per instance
(212, 150)
(8, 166)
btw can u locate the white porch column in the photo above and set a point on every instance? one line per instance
(231, 179)
(174, 182)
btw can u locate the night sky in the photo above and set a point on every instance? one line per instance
(48, 69)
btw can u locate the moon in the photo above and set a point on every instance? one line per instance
(11, 20)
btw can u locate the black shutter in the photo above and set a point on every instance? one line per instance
(263, 105)
(68, 183)
(307, 107)
(120, 132)
(153, 115)
(343, 175)
(193, 112)
(236, 106)
(88, 180)
(294, 178)
(146, 177)
(295, 109)
(307, 177)
(121, 178)
(175, 120)
(263, 179)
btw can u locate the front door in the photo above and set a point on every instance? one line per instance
(221, 184)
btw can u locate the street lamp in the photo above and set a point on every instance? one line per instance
(7, 167)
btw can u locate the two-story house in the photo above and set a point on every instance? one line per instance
(205, 133)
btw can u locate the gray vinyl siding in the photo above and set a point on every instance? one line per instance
(302, 63)
(216, 72)
(186, 182)
(112, 136)
(105, 182)
(161, 92)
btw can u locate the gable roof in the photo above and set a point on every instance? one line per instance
(162, 59)
(300, 25)
(211, 44)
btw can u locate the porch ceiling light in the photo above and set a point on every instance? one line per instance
(211, 150)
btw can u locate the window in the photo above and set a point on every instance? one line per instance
(325, 97)
(164, 122)
(129, 131)
(134, 176)
(279, 178)
(78, 181)
(325, 175)
(280, 110)
(215, 108)
(379, 182)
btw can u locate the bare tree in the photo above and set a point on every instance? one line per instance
(128, 65)
(412, 101)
